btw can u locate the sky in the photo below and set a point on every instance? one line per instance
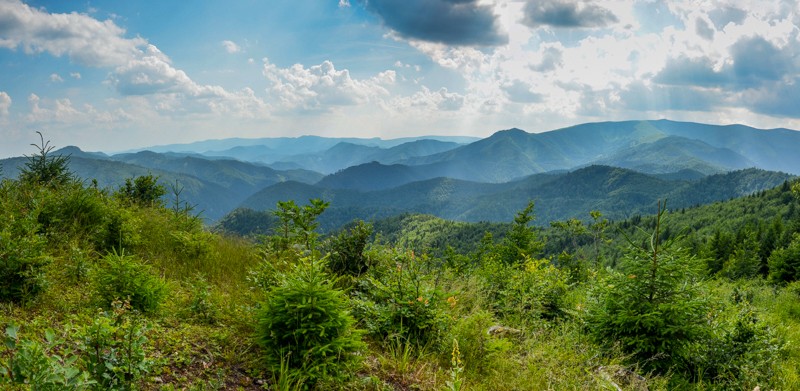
(109, 75)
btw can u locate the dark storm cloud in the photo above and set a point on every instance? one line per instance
(452, 22)
(570, 14)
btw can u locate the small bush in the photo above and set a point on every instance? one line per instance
(22, 257)
(652, 307)
(399, 299)
(47, 365)
(305, 326)
(122, 277)
(114, 348)
(347, 250)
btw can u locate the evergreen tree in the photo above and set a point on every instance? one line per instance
(652, 307)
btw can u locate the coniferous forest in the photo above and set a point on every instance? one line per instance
(126, 287)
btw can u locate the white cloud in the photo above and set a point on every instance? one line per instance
(80, 37)
(323, 87)
(344, 3)
(5, 104)
(231, 47)
(138, 68)
(75, 75)
(55, 78)
(426, 100)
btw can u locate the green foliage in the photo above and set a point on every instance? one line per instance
(398, 298)
(456, 382)
(521, 241)
(477, 347)
(22, 249)
(114, 348)
(347, 250)
(201, 306)
(47, 365)
(740, 351)
(784, 264)
(143, 190)
(652, 307)
(73, 213)
(45, 169)
(125, 277)
(745, 261)
(298, 223)
(305, 324)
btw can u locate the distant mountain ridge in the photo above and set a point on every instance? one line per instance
(620, 165)
(616, 192)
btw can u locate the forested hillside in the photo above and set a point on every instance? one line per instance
(618, 193)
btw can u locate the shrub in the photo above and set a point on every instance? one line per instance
(652, 307)
(784, 264)
(739, 351)
(143, 191)
(22, 256)
(122, 277)
(42, 366)
(306, 324)
(45, 169)
(347, 250)
(399, 299)
(113, 347)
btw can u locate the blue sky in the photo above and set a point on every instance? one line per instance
(113, 75)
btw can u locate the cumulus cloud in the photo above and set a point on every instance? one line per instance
(231, 47)
(427, 100)
(322, 87)
(725, 14)
(552, 58)
(344, 3)
(697, 72)
(138, 68)
(779, 100)
(451, 22)
(55, 78)
(569, 14)
(80, 37)
(703, 29)
(5, 104)
(75, 75)
(754, 61)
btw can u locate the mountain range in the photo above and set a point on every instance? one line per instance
(619, 168)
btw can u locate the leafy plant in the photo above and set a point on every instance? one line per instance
(42, 366)
(399, 299)
(124, 277)
(347, 250)
(456, 382)
(305, 321)
(114, 348)
(22, 250)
